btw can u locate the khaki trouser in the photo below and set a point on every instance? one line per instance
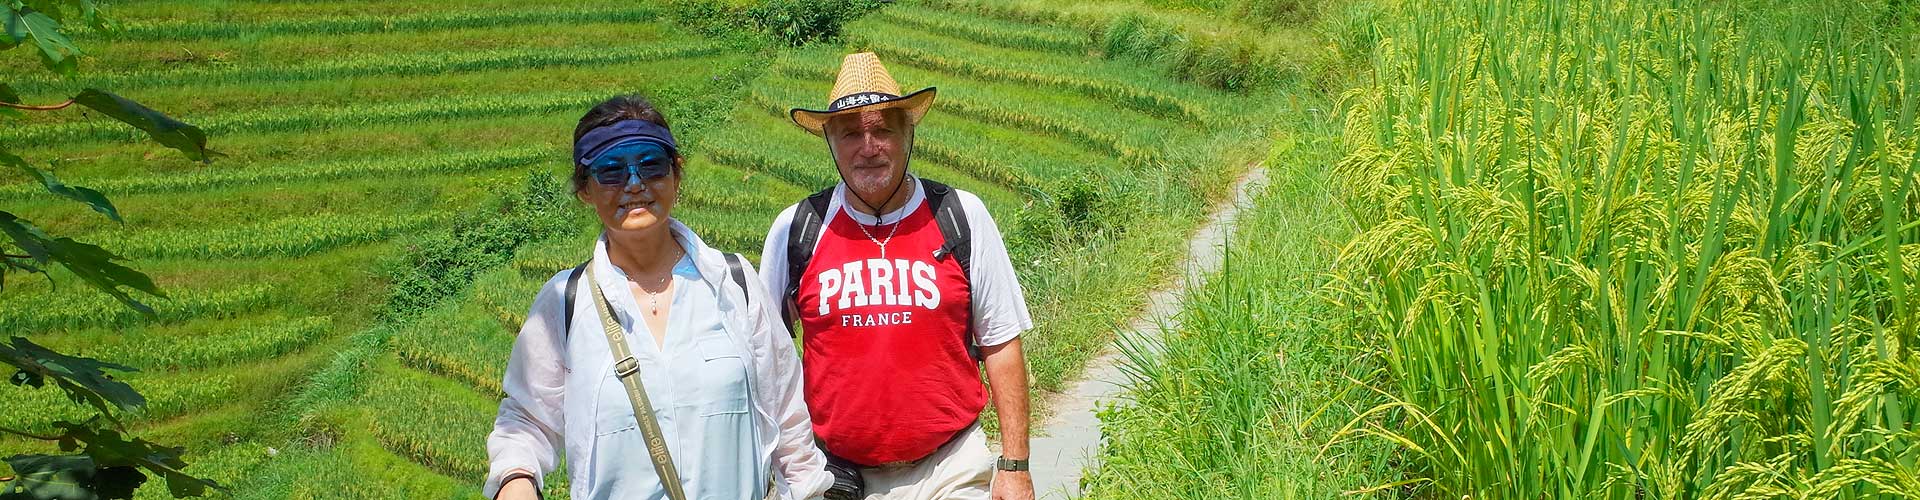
(961, 469)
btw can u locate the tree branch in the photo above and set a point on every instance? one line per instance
(12, 256)
(29, 434)
(50, 107)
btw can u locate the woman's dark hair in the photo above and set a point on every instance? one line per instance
(617, 108)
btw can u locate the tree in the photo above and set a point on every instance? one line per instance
(100, 459)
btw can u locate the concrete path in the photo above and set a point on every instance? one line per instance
(1072, 437)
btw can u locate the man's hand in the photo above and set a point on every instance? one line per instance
(1007, 378)
(1012, 485)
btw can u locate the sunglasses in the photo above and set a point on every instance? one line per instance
(621, 175)
(635, 162)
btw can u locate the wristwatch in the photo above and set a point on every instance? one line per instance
(1008, 464)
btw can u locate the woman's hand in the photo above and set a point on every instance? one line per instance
(519, 488)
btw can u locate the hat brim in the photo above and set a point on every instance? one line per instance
(916, 105)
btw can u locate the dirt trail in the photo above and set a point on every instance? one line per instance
(1072, 436)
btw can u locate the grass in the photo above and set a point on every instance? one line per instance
(158, 21)
(284, 258)
(1013, 35)
(1630, 258)
(1238, 400)
(183, 87)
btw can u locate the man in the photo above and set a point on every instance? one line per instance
(903, 290)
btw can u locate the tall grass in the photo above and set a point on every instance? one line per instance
(1613, 249)
(1237, 400)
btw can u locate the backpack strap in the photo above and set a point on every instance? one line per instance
(952, 220)
(802, 234)
(573, 282)
(739, 273)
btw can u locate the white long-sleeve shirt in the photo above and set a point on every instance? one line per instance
(561, 392)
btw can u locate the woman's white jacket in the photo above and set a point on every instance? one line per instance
(530, 426)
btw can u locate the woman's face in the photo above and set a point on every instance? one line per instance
(633, 187)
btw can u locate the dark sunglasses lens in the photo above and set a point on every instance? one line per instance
(610, 176)
(618, 175)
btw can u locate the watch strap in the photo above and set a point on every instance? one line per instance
(1008, 464)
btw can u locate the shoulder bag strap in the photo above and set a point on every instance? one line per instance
(628, 370)
(736, 268)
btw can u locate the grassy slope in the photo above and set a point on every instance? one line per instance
(245, 327)
(1079, 289)
(1241, 399)
(281, 417)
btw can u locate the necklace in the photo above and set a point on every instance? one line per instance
(653, 299)
(877, 241)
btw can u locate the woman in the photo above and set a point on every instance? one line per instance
(715, 364)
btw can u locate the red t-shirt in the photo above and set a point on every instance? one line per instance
(888, 377)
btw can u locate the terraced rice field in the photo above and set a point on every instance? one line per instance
(292, 357)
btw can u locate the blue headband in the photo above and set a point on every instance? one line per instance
(605, 137)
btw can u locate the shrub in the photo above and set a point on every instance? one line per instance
(442, 264)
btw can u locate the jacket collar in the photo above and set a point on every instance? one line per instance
(709, 261)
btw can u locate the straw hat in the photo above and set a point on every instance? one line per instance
(864, 85)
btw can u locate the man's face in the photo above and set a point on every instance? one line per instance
(870, 149)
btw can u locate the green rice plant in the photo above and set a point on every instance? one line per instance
(913, 48)
(173, 398)
(268, 50)
(176, 30)
(380, 65)
(1016, 12)
(505, 295)
(1238, 396)
(290, 237)
(1224, 49)
(1012, 35)
(540, 260)
(1620, 250)
(462, 341)
(272, 120)
(354, 467)
(73, 308)
(740, 232)
(457, 162)
(430, 421)
(257, 340)
(781, 151)
(666, 84)
(712, 185)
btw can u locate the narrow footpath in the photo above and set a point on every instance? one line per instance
(1069, 441)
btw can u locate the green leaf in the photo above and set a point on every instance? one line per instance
(85, 380)
(92, 264)
(49, 7)
(109, 449)
(13, 29)
(167, 131)
(57, 53)
(76, 193)
(7, 95)
(70, 477)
